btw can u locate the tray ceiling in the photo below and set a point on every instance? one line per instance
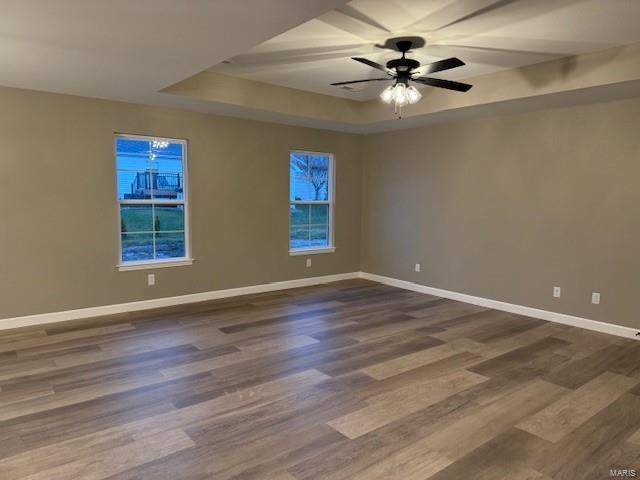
(489, 35)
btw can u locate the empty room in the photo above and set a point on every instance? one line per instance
(319, 239)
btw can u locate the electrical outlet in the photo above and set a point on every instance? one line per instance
(595, 298)
(308, 262)
(417, 267)
(151, 279)
(556, 292)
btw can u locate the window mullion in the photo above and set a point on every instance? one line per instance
(309, 224)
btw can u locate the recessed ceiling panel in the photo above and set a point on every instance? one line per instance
(489, 35)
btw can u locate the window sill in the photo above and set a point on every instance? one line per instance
(126, 267)
(311, 251)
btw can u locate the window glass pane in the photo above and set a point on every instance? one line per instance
(137, 246)
(169, 218)
(299, 237)
(309, 177)
(319, 225)
(170, 245)
(149, 169)
(136, 218)
(319, 214)
(133, 185)
(319, 236)
(131, 152)
(167, 180)
(131, 162)
(299, 214)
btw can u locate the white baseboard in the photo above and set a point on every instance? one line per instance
(54, 317)
(565, 319)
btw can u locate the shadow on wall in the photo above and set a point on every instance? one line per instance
(563, 68)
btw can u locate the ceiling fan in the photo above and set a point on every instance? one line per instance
(405, 70)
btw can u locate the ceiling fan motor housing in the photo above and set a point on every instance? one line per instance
(403, 68)
(403, 65)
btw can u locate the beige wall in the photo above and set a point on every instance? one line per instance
(503, 207)
(508, 207)
(58, 236)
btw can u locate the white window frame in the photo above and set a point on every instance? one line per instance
(330, 202)
(156, 263)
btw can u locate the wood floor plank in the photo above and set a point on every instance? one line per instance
(579, 371)
(501, 457)
(635, 438)
(34, 462)
(445, 310)
(245, 352)
(471, 323)
(572, 410)
(374, 352)
(412, 463)
(388, 407)
(280, 476)
(588, 341)
(590, 450)
(78, 395)
(505, 344)
(398, 365)
(468, 433)
(348, 460)
(537, 356)
(24, 391)
(51, 343)
(104, 464)
(277, 344)
(429, 371)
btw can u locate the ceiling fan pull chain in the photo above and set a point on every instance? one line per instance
(397, 110)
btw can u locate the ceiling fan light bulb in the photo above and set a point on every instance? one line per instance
(387, 95)
(400, 94)
(413, 94)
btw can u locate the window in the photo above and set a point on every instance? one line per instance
(310, 202)
(152, 200)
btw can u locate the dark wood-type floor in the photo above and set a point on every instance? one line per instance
(350, 380)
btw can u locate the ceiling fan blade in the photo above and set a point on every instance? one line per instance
(361, 81)
(448, 84)
(440, 65)
(373, 64)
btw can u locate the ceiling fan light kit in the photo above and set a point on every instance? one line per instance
(401, 95)
(405, 70)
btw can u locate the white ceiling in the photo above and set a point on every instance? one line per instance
(131, 49)
(489, 35)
